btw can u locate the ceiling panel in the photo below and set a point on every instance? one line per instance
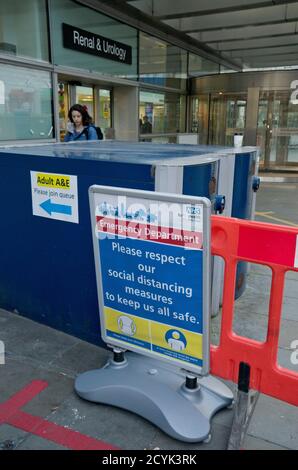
(272, 51)
(226, 20)
(256, 43)
(256, 32)
(165, 9)
(247, 32)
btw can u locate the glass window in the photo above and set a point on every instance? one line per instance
(88, 20)
(104, 115)
(97, 100)
(25, 104)
(84, 97)
(227, 117)
(165, 112)
(277, 134)
(23, 29)
(63, 101)
(199, 66)
(224, 69)
(200, 116)
(161, 63)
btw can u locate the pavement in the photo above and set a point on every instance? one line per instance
(40, 410)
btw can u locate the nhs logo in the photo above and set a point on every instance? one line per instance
(2, 353)
(193, 210)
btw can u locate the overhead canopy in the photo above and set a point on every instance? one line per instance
(251, 33)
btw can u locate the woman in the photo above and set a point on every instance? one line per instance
(81, 125)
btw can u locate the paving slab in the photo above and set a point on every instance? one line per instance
(253, 443)
(32, 340)
(275, 421)
(110, 424)
(219, 440)
(260, 305)
(291, 290)
(225, 417)
(254, 326)
(81, 357)
(37, 443)
(16, 375)
(285, 359)
(11, 438)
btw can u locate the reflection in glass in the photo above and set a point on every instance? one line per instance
(63, 100)
(104, 115)
(162, 63)
(199, 66)
(277, 133)
(227, 117)
(73, 13)
(23, 29)
(165, 111)
(26, 104)
(84, 97)
(199, 117)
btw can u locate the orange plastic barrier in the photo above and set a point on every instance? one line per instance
(275, 246)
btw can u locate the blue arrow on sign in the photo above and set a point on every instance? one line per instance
(51, 207)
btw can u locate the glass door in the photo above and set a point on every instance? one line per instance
(227, 117)
(96, 99)
(162, 115)
(263, 129)
(84, 96)
(68, 95)
(199, 117)
(98, 102)
(63, 106)
(277, 134)
(235, 122)
(103, 115)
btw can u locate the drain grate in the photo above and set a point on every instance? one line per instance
(7, 445)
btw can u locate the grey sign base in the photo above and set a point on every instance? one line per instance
(157, 392)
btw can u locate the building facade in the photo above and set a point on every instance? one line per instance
(263, 106)
(54, 53)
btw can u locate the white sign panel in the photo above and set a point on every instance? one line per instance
(296, 254)
(55, 196)
(151, 255)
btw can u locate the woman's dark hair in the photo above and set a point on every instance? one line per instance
(86, 118)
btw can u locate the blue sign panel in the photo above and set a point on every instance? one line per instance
(151, 278)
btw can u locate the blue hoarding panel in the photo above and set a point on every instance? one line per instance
(47, 266)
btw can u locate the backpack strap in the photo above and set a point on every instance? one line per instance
(83, 132)
(86, 131)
